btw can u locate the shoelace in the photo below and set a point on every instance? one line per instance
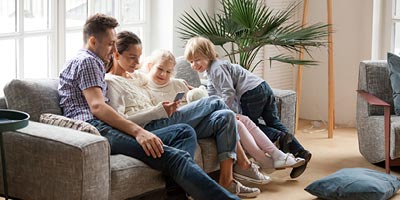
(255, 168)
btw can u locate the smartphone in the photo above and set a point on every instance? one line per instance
(179, 96)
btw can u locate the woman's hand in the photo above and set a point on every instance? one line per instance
(170, 107)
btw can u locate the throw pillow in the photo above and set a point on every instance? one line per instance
(66, 122)
(355, 184)
(394, 74)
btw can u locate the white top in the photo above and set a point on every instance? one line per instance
(130, 98)
(168, 91)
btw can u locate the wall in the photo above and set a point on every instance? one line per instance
(352, 43)
(165, 16)
(161, 27)
(180, 6)
(352, 22)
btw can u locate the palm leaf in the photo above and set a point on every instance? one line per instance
(249, 25)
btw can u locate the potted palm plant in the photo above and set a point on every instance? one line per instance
(249, 25)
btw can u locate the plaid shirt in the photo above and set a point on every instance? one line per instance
(85, 70)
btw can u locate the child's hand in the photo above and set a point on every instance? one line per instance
(170, 107)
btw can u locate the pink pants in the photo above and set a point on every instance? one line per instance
(255, 142)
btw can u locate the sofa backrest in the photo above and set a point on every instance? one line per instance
(34, 96)
(374, 78)
(38, 96)
(184, 71)
(3, 104)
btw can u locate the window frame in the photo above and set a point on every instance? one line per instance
(56, 34)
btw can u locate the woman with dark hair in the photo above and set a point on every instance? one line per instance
(210, 117)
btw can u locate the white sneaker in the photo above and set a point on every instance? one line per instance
(288, 161)
(242, 191)
(252, 174)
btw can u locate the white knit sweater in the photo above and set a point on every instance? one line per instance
(168, 91)
(130, 97)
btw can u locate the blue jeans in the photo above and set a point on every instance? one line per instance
(210, 117)
(260, 102)
(176, 163)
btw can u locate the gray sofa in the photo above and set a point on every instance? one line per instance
(49, 162)
(374, 79)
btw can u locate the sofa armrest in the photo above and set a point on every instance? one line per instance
(3, 103)
(49, 162)
(373, 100)
(286, 102)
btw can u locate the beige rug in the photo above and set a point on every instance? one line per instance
(329, 155)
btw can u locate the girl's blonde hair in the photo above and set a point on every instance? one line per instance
(200, 46)
(159, 55)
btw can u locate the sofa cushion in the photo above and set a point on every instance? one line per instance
(66, 122)
(355, 183)
(34, 96)
(3, 104)
(394, 74)
(131, 177)
(209, 152)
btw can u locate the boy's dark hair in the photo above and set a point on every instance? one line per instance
(97, 25)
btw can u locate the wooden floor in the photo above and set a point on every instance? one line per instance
(329, 155)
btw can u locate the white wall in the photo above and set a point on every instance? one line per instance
(165, 16)
(352, 43)
(161, 28)
(352, 22)
(180, 6)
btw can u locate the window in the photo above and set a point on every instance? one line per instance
(38, 36)
(396, 27)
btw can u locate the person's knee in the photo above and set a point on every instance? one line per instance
(187, 132)
(218, 102)
(227, 115)
(226, 119)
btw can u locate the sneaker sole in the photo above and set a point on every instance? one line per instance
(249, 195)
(298, 164)
(308, 157)
(296, 172)
(251, 180)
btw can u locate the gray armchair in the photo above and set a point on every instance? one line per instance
(373, 100)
